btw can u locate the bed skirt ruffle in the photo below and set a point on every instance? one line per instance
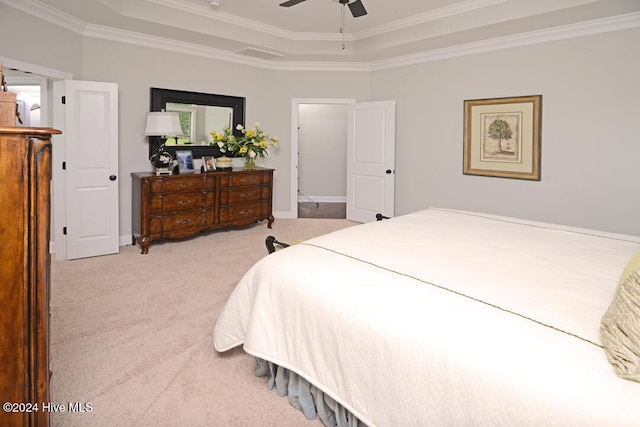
(306, 397)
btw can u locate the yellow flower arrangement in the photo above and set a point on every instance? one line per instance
(253, 142)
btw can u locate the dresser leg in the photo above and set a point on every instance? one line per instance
(144, 244)
(270, 221)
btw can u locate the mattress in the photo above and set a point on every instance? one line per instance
(443, 317)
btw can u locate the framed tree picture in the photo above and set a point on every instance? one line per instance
(502, 137)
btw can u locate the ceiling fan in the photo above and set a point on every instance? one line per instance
(355, 6)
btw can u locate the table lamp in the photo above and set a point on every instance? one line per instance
(163, 124)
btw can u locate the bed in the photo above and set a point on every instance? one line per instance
(442, 317)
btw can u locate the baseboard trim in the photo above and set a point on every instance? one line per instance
(284, 215)
(322, 199)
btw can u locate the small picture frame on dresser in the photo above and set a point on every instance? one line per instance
(185, 162)
(208, 163)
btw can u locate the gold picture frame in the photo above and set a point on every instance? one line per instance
(502, 137)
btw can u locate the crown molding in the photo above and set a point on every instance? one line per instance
(155, 42)
(42, 11)
(323, 66)
(250, 24)
(616, 23)
(47, 13)
(226, 18)
(434, 15)
(597, 26)
(162, 43)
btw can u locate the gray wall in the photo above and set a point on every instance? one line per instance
(590, 118)
(322, 147)
(44, 44)
(590, 131)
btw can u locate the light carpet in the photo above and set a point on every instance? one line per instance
(132, 334)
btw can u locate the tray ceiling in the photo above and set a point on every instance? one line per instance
(307, 35)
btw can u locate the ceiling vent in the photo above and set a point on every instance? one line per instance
(259, 53)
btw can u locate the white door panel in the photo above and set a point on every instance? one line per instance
(371, 160)
(90, 129)
(367, 193)
(93, 205)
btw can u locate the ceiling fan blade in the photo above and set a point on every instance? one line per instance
(291, 3)
(357, 8)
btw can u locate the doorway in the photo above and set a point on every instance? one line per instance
(28, 100)
(319, 151)
(22, 73)
(29, 90)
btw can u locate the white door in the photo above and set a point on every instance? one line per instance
(87, 163)
(371, 128)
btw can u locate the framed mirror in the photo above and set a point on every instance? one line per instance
(200, 113)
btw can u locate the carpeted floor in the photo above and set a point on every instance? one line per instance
(131, 333)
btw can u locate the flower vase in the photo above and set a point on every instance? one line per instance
(249, 162)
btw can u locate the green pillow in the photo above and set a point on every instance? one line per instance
(620, 328)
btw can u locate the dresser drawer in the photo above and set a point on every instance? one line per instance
(248, 212)
(176, 202)
(181, 202)
(246, 178)
(240, 214)
(179, 221)
(243, 195)
(182, 185)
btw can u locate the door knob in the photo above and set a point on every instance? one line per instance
(113, 177)
(388, 171)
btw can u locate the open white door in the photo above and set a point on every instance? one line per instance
(87, 222)
(371, 144)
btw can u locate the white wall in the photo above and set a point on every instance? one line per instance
(322, 147)
(590, 131)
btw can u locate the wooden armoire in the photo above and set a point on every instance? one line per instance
(25, 182)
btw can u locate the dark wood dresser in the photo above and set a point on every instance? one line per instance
(25, 174)
(177, 206)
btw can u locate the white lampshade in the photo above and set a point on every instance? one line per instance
(163, 123)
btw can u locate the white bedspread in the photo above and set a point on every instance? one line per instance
(444, 318)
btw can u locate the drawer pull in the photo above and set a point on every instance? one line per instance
(243, 195)
(249, 212)
(182, 202)
(184, 221)
(181, 185)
